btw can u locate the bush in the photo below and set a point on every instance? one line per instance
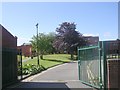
(31, 69)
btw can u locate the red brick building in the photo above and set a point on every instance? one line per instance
(26, 49)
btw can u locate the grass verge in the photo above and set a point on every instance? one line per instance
(50, 60)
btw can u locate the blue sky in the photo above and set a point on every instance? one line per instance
(92, 18)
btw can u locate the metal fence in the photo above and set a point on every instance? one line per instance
(19, 63)
(9, 66)
(90, 66)
(92, 63)
(20, 66)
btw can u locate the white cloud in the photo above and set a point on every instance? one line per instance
(90, 34)
(107, 34)
(22, 40)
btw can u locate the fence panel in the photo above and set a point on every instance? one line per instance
(92, 62)
(89, 62)
(111, 51)
(9, 66)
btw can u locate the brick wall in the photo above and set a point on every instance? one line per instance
(113, 73)
(26, 50)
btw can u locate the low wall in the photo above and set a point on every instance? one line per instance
(113, 73)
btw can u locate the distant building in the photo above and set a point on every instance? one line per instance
(26, 49)
(91, 40)
(113, 47)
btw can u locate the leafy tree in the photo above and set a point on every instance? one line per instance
(34, 43)
(44, 43)
(51, 37)
(68, 38)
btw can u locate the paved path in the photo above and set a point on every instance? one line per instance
(27, 59)
(62, 76)
(63, 72)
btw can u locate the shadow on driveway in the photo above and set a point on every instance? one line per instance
(39, 86)
(55, 60)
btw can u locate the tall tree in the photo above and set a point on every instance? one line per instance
(44, 43)
(68, 38)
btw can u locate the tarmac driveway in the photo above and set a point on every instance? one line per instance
(64, 76)
(65, 72)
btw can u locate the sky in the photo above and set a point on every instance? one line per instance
(92, 18)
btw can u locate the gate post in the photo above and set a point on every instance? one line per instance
(104, 64)
(0, 68)
(78, 62)
(21, 62)
(100, 66)
(0, 57)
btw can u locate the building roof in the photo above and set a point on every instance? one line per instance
(26, 43)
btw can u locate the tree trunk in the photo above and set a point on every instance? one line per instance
(72, 55)
(71, 52)
(41, 56)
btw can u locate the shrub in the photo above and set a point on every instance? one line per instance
(30, 69)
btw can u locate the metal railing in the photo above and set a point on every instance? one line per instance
(90, 66)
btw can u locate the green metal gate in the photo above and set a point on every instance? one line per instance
(19, 64)
(92, 65)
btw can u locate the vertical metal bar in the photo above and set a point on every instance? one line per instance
(37, 45)
(21, 62)
(79, 63)
(104, 64)
(100, 67)
(118, 48)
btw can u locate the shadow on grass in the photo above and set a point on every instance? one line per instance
(38, 86)
(55, 60)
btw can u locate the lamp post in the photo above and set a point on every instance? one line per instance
(37, 44)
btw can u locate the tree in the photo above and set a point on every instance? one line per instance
(68, 38)
(44, 43)
(51, 39)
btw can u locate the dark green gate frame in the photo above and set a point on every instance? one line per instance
(20, 63)
(95, 55)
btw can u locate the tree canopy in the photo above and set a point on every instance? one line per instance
(44, 43)
(68, 38)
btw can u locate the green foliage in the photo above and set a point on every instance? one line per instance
(34, 43)
(50, 60)
(44, 43)
(30, 69)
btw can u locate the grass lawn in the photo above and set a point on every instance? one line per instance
(23, 57)
(50, 60)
